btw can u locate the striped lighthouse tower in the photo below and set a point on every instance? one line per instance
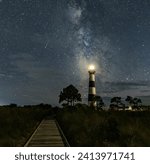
(92, 88)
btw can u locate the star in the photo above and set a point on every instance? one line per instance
(47, 45)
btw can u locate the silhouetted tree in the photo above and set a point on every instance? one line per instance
(129, 99)
(134, 102)
(99, 102)
(137, 103)
(70, 94)
(13, 105)
(116, 103)
(122, 105)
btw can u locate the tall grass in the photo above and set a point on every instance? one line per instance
(87, 127)
(17, 124)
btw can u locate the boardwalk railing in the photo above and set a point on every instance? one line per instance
(63, 136)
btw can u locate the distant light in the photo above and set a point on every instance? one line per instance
(130, 107)
(91, 68)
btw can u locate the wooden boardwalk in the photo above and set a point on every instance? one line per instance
(48, 134)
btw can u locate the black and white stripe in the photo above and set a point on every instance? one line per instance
(92, 89)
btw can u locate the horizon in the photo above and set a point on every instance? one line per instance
(106, 101)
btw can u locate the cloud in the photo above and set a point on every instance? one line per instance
(145, 99)
(34, 81)
(146, 91)
(2, 75)
(74, 14)
(32, 68)
(123, 88)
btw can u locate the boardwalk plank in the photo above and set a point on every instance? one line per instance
(46, 135)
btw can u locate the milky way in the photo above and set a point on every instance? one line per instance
(47, 45)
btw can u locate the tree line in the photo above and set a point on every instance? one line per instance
(70, 95)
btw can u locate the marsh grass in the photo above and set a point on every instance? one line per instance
(18, 123)
(87, 127)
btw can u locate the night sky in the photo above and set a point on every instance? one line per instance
(46, 45)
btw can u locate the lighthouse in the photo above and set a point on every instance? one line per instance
(92, 87)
